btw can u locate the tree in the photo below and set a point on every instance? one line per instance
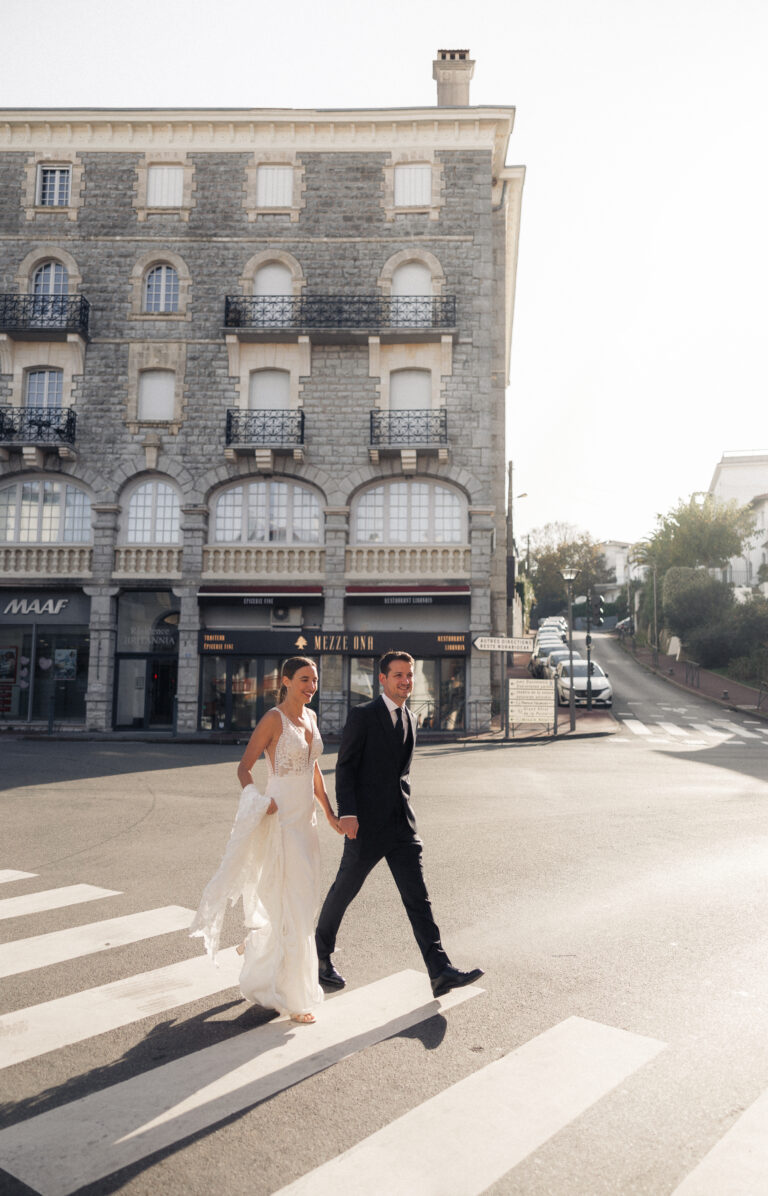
(555, 546)
(694, 599)
(696, 534)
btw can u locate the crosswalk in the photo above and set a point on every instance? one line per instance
(689, 732)
(507, 1109)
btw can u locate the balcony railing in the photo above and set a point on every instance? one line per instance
(37, 425)
(44, 313)
(365, 312)
(404, 429)
(271, 427)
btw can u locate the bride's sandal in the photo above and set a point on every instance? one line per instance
(241, 948)
(304, 1019)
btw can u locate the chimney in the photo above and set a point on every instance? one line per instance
(453, 70)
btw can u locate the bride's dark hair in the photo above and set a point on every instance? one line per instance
(290, 668)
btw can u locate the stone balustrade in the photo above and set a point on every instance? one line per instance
(390, 561)
(45, 560)
(252, 561)
(148, 560)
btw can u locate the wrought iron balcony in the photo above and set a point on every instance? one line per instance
(331, 313)
(37, 315)
(272, 427)
(406, 429)
(37, 425)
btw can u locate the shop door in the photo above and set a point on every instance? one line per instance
(162, 673)
(146, 688)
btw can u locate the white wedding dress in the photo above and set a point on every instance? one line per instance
(273, 863)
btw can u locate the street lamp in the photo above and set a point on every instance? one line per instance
(569, 575)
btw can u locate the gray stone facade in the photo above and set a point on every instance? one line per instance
(342, 239)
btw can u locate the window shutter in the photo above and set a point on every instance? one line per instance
(156, 394)
(274, 186)
(165, 186)
(410, 390)
(413, 186)
(270, 389)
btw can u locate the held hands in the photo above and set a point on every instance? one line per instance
(334, 821)
(348, 825)
(272, 807)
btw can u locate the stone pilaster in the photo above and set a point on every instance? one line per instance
(101, 659)
(336, 540)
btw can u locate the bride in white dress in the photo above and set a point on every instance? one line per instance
(273, 863)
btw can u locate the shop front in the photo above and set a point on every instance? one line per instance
(44, 649)
(147, 659)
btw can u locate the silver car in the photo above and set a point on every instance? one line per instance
(602, 694)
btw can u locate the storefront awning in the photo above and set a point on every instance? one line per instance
(392, 595)
(274, 591)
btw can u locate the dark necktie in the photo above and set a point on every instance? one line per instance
(399, 723)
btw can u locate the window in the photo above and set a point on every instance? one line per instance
(43, 512)
(274, 186)
(161, 290)
(53, 186)
(409, 513)
(412, 294)
(44, 388)
(165, 186)
(273, 278)
(269, 390)
(268, 512)
(50, 279)
(410, 390)
(157, 392)
(153, 515)
(413, 185)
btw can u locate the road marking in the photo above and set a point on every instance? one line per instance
(636, 726)
(735, 729)
(39, 903)
(738, 1164)
(8, 874)
(472, 1134)
(707, 729)
(37, 1029)
(674, 729)
(25, 955)
(91, 1138)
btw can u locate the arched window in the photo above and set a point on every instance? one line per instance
(273, 278)
(269, 390)
(44, 512)
(410, 390)
(161, 289)
(409, 512)
(44, 388)
(50, 279)
(153, 515)
(268, 512)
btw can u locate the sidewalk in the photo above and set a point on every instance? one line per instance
(733, 695)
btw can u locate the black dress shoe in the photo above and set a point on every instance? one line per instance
(327, 974)
(452, 978)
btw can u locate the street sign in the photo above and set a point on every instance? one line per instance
(501, 643)
(530, 701)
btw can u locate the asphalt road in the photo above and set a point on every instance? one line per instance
(614, 889)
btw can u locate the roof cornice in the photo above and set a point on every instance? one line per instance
(244, 129)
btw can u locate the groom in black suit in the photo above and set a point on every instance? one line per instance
(373, 795)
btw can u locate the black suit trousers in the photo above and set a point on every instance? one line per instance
(403, 855)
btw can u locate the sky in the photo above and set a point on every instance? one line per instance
(639, 343)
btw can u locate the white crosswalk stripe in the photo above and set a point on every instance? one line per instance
(25, 955)
(9, 874)
(734, 728)
(93, 1137)
(37, 903)
(738, 1164)
(58, 1023)
(505, 1112)
(636, 726)
(716, 733)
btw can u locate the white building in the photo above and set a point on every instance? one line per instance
(743, 478)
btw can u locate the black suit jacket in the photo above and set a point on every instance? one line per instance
(372, 772)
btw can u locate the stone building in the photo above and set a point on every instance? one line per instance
(252, 376)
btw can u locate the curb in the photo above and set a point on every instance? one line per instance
(687, 689)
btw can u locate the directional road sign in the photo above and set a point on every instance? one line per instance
(502, 643)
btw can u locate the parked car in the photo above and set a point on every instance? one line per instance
(541, 651)
(553, 660)
(602, 694)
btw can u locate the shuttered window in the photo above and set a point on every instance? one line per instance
(413, 185)
(269, 390)
(165, 186)
(410, 390)
(274, 187)
(156, 394)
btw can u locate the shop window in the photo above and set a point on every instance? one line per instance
(268, 512)
(44, 512)
(409, 513)
(153, 515)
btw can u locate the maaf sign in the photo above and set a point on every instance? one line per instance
(35, 606)
(44, 606)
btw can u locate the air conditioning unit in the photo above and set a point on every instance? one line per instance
(283, 615)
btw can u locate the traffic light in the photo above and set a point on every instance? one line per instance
(598, 610)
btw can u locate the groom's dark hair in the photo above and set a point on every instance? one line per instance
(389, 657)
